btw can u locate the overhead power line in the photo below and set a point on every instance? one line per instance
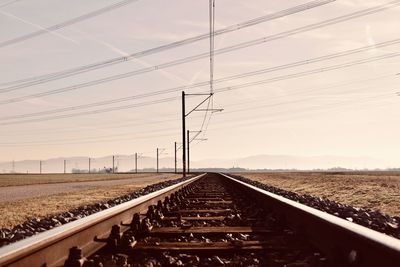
(172, 116)
(205, 55)
(204, 83)
(169, 129)
(245, 121)
(310, 72)
(93, 140)
(219, 90)
(82, 69)
(66, 23)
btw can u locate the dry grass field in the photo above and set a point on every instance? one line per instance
(27, 179)
(374, 190)
(14, 213)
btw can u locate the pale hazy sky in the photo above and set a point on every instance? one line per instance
(352, 111)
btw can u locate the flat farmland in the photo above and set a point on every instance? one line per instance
(373, 190)
(51, 194)
(28, 179)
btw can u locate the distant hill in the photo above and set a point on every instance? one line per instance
(126, 163)
(294, 162)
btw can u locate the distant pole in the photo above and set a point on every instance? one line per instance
(157, 159)
(40, 167)
(175, 157)
(183, 135)
(65, 166)
(89, 165)
(113, 164)
(188, 157)
(135, 162)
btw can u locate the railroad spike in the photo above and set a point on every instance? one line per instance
(75, 258)
(146, 225)
(113, 240)
(121, 260)
(127, 242)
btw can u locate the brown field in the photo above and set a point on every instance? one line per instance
(373, 190)
(14, 213)
(27, 179)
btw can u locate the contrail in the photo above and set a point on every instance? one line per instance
(9, 3)
(38, 26)
(67, 23)
(115, 49)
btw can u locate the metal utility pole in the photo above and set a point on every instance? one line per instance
(89, 165)
(209, 96)
(113, 164)
(157, 159)
(184, 115)
(135, 162)
(188, 152)
(40, 167)
(183, 135)
(175, 157)
(65, 166)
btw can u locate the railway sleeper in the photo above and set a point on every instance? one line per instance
(202, 204)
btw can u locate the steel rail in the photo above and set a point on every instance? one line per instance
(343, 242)
(51, 248)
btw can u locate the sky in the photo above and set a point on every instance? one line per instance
(344, 106)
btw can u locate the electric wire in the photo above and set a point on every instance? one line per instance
(212, 35)
(205, 55)
(212, 29)
(244, 121)
(82, 69)
(66, 23)
(203, 83)
(219, 90)
(172, 116)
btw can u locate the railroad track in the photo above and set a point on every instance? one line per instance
(208, 220)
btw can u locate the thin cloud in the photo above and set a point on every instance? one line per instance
(118, 51)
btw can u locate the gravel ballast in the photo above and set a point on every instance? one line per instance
(372, 219)
(36, 225)
(369, 218)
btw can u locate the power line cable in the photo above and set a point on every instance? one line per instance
(233, 111)
(212, 32)
(82, 69)
(219, 90)
(101, 137)
(247, 122)
(93, 140)
(199, 84)
(163, 120)
(66, 23)
(204, 55)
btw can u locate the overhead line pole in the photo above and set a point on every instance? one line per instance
(157, 159)
(113, 165)
(184, 115)
(188, 158)
(135, 162)
(89, 165)
(183, 135)
(65, 166)
(175, 158)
